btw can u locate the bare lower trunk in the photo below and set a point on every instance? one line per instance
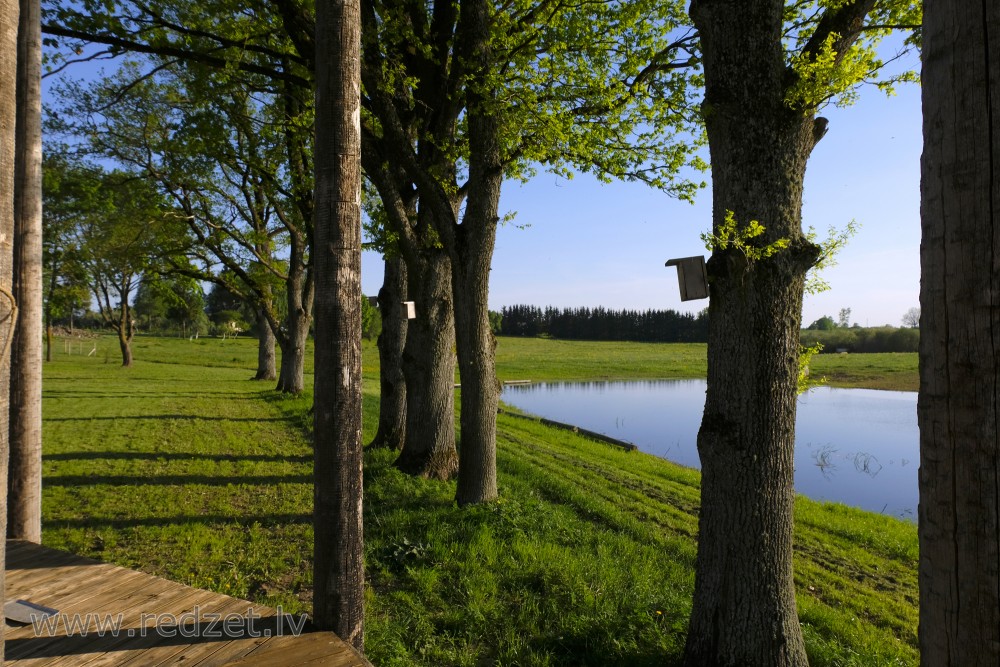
(25, 490)
(291, 379)
(48, 340)
(125, 345)
(477, 476)
(959, 404)
(429, 366)
(266, 359)
(391, 342)
(744, 610)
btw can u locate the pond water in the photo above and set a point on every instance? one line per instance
(855, 446)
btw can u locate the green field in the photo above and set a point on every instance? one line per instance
(542, 359)
(183, 467)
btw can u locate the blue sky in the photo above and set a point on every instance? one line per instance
(591, 244)
(583, 243)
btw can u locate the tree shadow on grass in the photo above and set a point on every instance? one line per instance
(176, 480)
(79, 393)
(168, 456)
(181, 520)
(172, 416)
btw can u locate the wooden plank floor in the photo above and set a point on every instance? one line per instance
(146, 621)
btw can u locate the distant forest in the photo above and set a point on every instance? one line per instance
(662, 326)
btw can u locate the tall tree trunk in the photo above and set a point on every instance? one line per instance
(471, 245)
(8, 87)
(744, 611)
(338, 571)
(429, 366)
(391, 341)
(25, 494)
(959, 405)
(267, 368)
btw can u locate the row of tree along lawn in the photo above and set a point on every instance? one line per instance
(670, 326)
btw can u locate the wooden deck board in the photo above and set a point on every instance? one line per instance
(184, 633)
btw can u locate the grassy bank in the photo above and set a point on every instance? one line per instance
(543, 359)
(183, 467)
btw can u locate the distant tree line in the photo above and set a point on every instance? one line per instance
(841, 336)
(869, 339)
(170, 305)
(661, 326)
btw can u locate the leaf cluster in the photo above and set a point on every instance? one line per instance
(744, 238)
(832, 48)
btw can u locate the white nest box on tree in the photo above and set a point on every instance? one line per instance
(692, 277)
(410, 310)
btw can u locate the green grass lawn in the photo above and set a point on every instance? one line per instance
(544, 359)
(183, 467)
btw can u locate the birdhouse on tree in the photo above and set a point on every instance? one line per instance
(692, 277)
(410, 310)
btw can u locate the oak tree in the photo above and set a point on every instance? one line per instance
(769, 65)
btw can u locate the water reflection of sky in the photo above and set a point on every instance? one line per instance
(855, 446)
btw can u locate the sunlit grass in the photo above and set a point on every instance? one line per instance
(184, 467)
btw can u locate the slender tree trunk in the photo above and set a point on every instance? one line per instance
(391, 342)
(48, 337)
(744, 611)
(959, 405)
(125, 345)
(8, 85)
(429, 366)
(25, 491)
(267, 368)
(338, 572)
(125, 331)
(291, 379)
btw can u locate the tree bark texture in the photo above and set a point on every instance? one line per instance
(429, 366)
(339, 570)
(9, 11)
(267, 368)
(25, 494)
(959, 403)
(471, 246)
(391, 341)
(744, 611)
